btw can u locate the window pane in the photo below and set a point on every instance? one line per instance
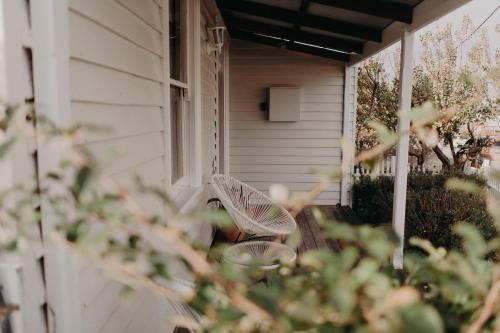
(175, 40)
(176, 131)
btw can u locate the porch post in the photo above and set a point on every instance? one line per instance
(52, 99)
(400, 181)
(348, 131)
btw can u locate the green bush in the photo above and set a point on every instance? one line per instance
(431, 210)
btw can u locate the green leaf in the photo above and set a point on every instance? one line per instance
(385, 135)
(463, 185)
(6, 146)
(473, 242)
(425, 114)
(421, 318)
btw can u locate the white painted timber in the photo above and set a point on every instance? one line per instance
(261, 152)
(349, 129)
(93, 43)
(21, 276)
(147, 10)
(209, 96)
(93, 83)
(400, 181)
(115, 17)
(52, 98)
(118, 83)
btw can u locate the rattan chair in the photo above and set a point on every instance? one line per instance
(253, 212)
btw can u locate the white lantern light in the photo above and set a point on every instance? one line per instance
(216, 32)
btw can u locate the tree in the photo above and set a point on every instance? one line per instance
(378, 101)
(460, 87)
(459, 82)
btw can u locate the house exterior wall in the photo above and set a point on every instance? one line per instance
(209, 95)
(116, 81)
(21, 276)
(261, 152)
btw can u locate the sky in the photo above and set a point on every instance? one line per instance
(478, 10)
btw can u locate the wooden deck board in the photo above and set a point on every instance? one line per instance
(310, 231)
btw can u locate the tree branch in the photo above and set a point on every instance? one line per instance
(442, 157)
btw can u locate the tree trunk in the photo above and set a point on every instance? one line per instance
(442, 157)
(449, 138)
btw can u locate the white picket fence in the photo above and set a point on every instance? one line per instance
(387, 167)
(487, 170)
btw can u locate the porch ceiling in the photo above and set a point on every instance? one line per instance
(334, 29)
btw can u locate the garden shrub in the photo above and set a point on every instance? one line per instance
(431, 210)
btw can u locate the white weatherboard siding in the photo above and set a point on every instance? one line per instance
(209, 109)
(21, 276)
(263, 152)
(349, 129)
(116, 80)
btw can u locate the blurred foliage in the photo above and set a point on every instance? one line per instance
(353, 290)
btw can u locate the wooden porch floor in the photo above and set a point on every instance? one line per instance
(311, 235)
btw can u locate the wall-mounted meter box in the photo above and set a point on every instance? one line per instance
(284, 104)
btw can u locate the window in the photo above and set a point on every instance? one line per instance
(177, 130)
(175, 26)
(178, 89)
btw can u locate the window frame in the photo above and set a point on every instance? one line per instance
(183, 182)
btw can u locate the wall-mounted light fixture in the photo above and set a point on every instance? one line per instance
(216, 33)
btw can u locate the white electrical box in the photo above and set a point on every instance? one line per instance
(284, 104)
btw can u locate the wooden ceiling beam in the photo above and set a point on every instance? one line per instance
(304, 6)
(283, 44)
(389, 10)
(333, 43)
(305, 20)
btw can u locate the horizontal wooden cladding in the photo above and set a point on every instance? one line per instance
(301, 77)
(286, 143)
(121, 20)
(266, 151)
(261, 94)
(284, 134)
(263, 152)
(148, 10)
(312, 169)
(336, 107)
(278, 177)
(116, 121)
(301, 125)
(292, 186)
(323, 115)
(307, 105)
(93, 43)
(94, 83)
(260, 77)
(123, 154)
(287, 160)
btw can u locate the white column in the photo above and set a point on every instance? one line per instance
(52, 99)
(348, 131)
(405, 91)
